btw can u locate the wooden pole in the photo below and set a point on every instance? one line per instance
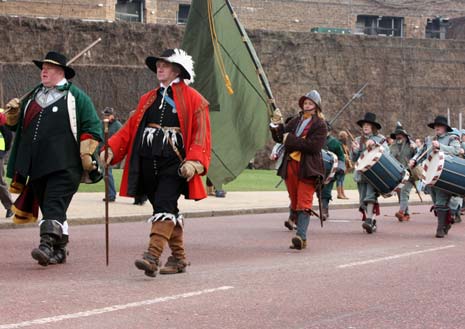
(105, 129)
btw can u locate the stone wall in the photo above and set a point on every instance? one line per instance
(410, 80)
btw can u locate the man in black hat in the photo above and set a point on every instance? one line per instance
(403, 149)
(167, 143)
(113, 126)
(449, 143)
(57, 131)
(369, 205)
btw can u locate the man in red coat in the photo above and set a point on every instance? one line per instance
(167, 143)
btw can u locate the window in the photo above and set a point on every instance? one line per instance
(182, 14)
(436, 28)
(380, 25)
(130, 10)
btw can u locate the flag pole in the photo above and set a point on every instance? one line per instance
(261, 74)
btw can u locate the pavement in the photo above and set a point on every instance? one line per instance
(88, 208)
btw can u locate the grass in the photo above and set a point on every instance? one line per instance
(248, 180)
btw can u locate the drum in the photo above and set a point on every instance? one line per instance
(381, 170)
(445, 172)
(330, 162)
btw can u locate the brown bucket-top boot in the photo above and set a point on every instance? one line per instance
(177, 262)
(160, 233)
(149, 264)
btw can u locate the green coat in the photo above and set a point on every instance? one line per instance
(86, 119)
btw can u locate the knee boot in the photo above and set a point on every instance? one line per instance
(177, 262)
(50, 233)
(59, 251)
(442, 228)
(339, 192)
(344, 196)
(159, 235)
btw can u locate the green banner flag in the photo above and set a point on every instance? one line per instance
(227, 74)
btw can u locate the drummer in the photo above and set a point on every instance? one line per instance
(368, 196)
(447, 142)
(403, 149)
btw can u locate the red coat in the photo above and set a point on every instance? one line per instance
(194, 120)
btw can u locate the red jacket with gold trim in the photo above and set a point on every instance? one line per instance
(194, 120)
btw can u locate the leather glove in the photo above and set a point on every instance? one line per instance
(12, 111)
(110, 156)
(87, 148)
(277, 117)
(190, 168)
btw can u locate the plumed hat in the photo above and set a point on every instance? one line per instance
(177, 57)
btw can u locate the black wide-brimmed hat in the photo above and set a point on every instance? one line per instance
(440, 121)
(399, 131)
(108, 111)
(178, 57)
(56, 59)
(369, 118)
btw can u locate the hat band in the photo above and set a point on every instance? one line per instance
(52, 62)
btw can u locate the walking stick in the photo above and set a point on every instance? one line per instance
(22, 98)
(105, 129)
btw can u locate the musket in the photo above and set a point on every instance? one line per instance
(22, 98)
(355, 96)
(105, 130)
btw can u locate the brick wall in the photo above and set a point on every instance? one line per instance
(275, 15)
(82, 9)
(302, 15)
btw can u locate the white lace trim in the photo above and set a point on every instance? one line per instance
(168, 133)
(177, 219)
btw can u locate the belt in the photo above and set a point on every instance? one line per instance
(156, 125)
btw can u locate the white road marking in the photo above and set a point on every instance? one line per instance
(376, 260)
(111, 308)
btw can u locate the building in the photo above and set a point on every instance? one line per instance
(395, 18)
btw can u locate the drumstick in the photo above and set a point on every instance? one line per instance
(350, 135)
(426, 151)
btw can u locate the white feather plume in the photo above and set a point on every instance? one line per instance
(185, 60)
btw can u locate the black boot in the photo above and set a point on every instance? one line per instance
(443, 227)
(59, 251)
(369, 225)
(50, 233)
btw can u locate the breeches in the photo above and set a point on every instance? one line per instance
(367, 194)
(55, 192)
(300, 190)
(163, 186)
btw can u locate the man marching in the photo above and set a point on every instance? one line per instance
(57, 131)
(167, 143)
(403, 150)
(447, 142)
(368, 196)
